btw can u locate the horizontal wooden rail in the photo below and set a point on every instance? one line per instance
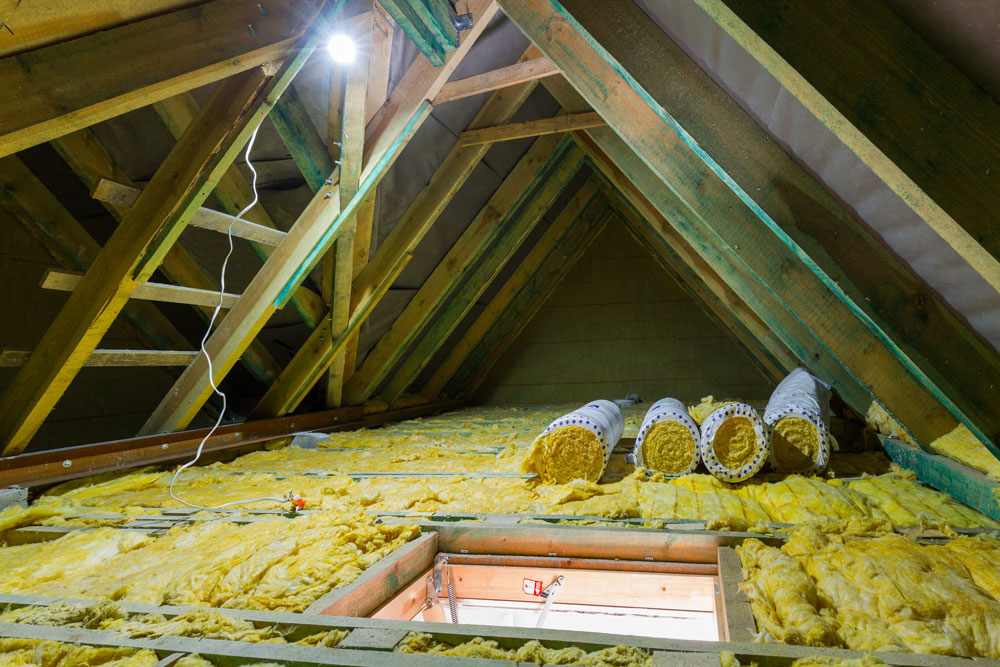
(531, 128)
(112, 358)
(504, 77)
(113, 192)
(66, 281)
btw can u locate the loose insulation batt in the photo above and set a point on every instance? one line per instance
(887, 593)
(277, 564)
(532, 652)
(27, 652)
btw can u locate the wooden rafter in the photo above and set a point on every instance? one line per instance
(233, 194)
(314, 232)
(924, 128)
(85, 155)
(868, 274)
(74, 84)
(587, 203)
(136, 248)
(526, 305)
(545, 155)
(29, 202)
(112, 358)
(313, 357)
(527, 70)
(68, 281)
(706, 193)
(531, 128)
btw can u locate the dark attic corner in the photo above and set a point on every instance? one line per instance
(468, 332)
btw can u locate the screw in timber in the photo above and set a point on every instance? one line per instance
(252, 29)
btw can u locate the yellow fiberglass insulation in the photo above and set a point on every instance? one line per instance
(795, 443)
(796, 499)
(669, 447)
(882, 422)
(565, 454)
(909, 504)
(699, 413)
(959, 444)
(45, 653)
(728, 659)
(887, 593)
(532, 652)
(277, 564)
(734, 442)
(677, 501)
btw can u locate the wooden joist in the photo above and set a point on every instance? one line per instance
(908, 113)
(112, 358)
(531, 128)
(556, 233)
(135, 250)
(291, 120)
(520, 72)
(74, 84)
(67, 281)
(234, 193)
(87, 157)
(457, 304)
(123, 195)
(427, 23)
(313, 232)
(706, 193)
(524, 307)
(870, 277)
(545, 155)
(312, 358)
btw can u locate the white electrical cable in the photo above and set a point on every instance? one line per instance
(211, 372)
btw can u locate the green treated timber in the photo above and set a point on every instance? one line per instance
(708, 194)
(546, 245)
(960, 481)
(911, 314)
(546, 154)
(233, 194)
(460, 302)
(420, 26)
(299, 135)
(527, 303)
(709, 303)
(927, 130)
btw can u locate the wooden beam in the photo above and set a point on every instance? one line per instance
(383, 32)
(739, 621)
(111, 358)
(83, 81)
(313, 232)
(84, 154)
(380, 581)
(956, 479)
(124, 196)
(456, 305)
(301, 373)
(28, 201)
(68, 281)
(525, 307)
(528, 70)
(136, 248)
(234, 193)
(484, 323)
(297, 132)
(427, 24)
(866, 272)
(545, 155)
(924, 128)
(352, 143)
(708, 193)
(531, 128)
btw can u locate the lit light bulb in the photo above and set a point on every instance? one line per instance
(342, 48)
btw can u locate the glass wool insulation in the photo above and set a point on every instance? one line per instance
(734, 443)
(668, 439)
(577, 445)
(798, 415)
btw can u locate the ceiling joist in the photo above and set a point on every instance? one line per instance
(531, 128)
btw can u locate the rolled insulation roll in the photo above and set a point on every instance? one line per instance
(668, 439)
(734, 442)
(577, 445)
(798, 414)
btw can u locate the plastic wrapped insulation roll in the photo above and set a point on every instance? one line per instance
(668, 439)
(577, 445)
(798, 414)
(735, 443)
